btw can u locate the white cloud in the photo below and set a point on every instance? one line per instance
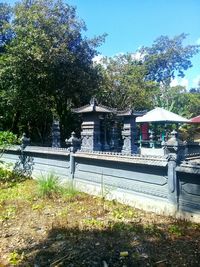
(137, 56)
(180, 81)
(196, 81)
(97, 59)
(198, 41)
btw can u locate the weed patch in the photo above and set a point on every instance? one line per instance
(48, 185)
(71, 228)
(69, 191)
(8, 177)
(175, 229)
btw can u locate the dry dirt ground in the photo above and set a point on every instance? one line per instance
(83, 230)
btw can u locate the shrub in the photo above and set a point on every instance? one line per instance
(7, 139)
(48, 185)
(8, 177)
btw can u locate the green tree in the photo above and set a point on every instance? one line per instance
(124, 83)
(5, 33)
(47, 67)
(165, 59)
(168, 58)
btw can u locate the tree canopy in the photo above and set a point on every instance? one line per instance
(47, 65)
(46, 68)
(124, 84)
(168, 57)
(5, 32)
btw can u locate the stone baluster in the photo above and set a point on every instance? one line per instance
(73, 143)
(175, 149)
(56, 134)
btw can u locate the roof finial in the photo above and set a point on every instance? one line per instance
(93, 101)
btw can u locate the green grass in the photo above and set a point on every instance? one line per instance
(175, 229)
(68, 217)
(48, 185)
(8, 177)
(69, 191)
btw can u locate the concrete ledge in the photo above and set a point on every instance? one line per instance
(156, 205)
(144, 160)
(38, 150)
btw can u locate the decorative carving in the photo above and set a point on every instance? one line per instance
(91, 134)
(24, 165)
(128, 136)
(114, 142)
(151, 139)
(56, 134)
(73, 142)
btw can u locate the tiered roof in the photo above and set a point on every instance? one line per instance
(94, 107)
(130, 112)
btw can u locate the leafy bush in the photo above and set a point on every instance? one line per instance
(175, 229)
(7, 139)
(8, 177)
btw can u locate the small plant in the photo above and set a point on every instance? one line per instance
(6, 140)
(152, 229)
(37, 206)
(118, 214)
(49, 185)
(8, 213)
(62, 213)
(15, 258)
(105, 191)
(93, 223)
(175, 229)
(69, 191)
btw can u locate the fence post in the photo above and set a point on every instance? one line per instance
(175, 151)
(74, 144)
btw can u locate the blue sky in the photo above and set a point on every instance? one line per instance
(131, 24)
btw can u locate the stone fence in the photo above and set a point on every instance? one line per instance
(166, 184)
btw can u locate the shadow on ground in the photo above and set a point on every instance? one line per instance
(73, 247)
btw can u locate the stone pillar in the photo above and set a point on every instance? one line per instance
(175, 151)
(114, 143)
(74, 145)
(56, 134)
(90, 133)
(128, 136)
(151, 139)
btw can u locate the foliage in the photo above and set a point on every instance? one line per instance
(8, 177)
(144, 83)
(69, 191)
(47, 67)
(123, 83)
(168, 57)
(8, 213)
(175, 229)
(5, 32)
(165, 59)
(16, 190)
(15, 258)
(48, 185)
(7, 139)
